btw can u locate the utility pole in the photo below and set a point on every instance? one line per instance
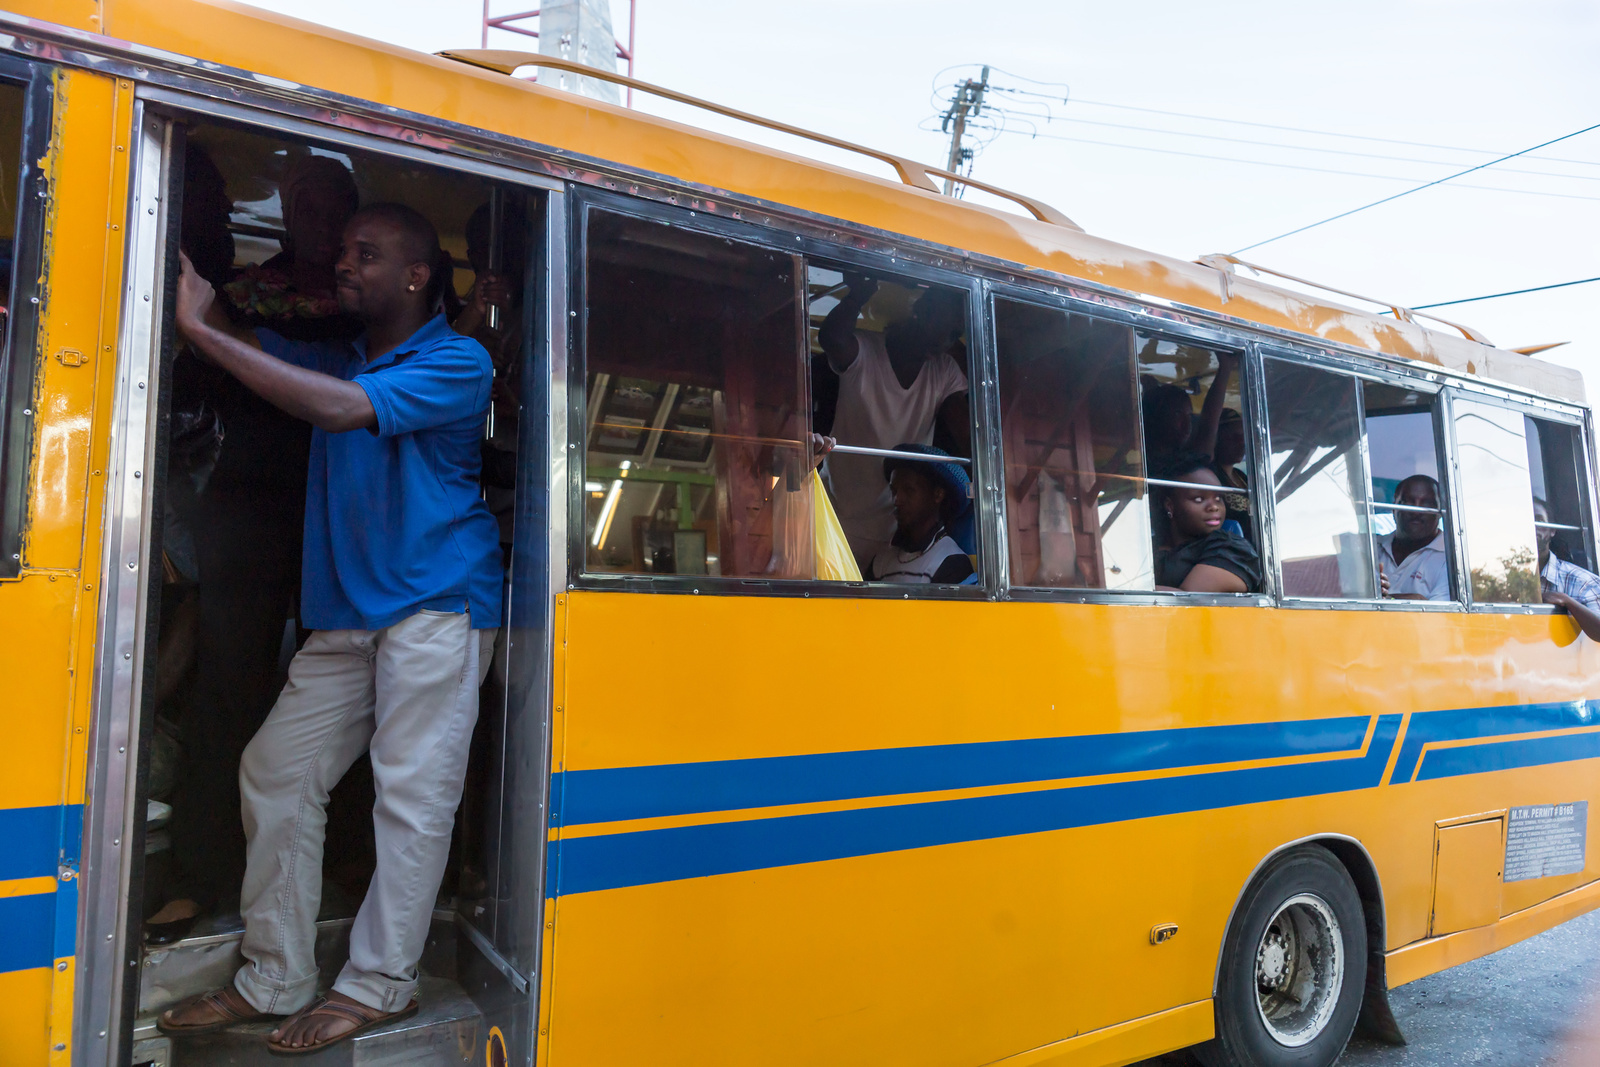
(967, 103)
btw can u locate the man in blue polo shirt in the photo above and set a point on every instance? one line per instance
(401, 586)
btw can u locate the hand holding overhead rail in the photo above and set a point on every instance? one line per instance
(1224, 263)
(910, 171)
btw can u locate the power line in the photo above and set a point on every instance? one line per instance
(1319, 133)
(1298, 166)
(1513, 292)
(1417, 189)
(1311, 148)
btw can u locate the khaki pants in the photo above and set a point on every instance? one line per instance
(409, 694)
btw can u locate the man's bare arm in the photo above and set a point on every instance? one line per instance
(1204, 437)
(326, 402)
(1587, 618)
(837, 334)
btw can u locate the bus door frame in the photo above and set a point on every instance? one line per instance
(113, 838)
(501, 975)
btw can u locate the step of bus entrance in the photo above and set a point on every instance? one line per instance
(208, 958)
(447, 1031)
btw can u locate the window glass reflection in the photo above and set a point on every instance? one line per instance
(697, 446)
(1555, 468)
(1314, 429)
(1496, 502)
(1069, 414)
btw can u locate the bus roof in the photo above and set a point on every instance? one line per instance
(288, 53)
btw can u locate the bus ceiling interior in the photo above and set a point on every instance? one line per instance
(261, 219)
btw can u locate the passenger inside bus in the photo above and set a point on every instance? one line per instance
(1195, 552)
(256, 222)
(900, 383)
(492, 316)
(1171, 425)
(929, 498)
(1565, 584)
(1412, 559)
(1228, 454)
(247, 522)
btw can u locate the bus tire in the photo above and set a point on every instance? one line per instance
(1293, 967)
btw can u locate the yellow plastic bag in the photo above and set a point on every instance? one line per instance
(835, 561)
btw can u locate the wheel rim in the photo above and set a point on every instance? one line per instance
(1299, 970)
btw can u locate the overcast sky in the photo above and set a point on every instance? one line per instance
(1464, 74)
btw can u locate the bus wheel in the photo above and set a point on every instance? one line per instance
(1293, 967)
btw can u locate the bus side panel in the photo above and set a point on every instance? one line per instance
(902, 889)
(47, 616)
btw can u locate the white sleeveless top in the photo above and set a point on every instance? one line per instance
(876, 411)
(893, 564)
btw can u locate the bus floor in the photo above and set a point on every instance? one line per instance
(1535, 1004)
(448, 1021)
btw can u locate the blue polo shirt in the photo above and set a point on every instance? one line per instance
(395, 522)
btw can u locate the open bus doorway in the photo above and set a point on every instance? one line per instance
(261, 216)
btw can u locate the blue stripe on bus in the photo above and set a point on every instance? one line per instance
(1464, 723)
(617, 793)
(65, 939)
(1508, 755)
(615, 861)
(32, 839)
(26, 925)
(71, 835)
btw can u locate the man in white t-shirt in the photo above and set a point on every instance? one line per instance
(892, 388)
(1413, 558)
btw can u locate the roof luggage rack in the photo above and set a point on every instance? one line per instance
(1224, 264)
(506, 61)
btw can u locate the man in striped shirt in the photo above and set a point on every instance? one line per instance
(1566, 585)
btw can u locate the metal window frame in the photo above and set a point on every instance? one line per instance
(1148, 325)
(1417, 379)
(1545, 412)
(1583, 476)
(21, 352)
(782, 240)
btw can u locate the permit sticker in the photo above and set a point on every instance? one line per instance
(1546, 839)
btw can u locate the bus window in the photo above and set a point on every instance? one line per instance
(1069, 419)
(1556, 470)
(696, 435)
(888, 366)
(16, 370)
(1496, 502)
(1192, 411)
(1319, 499)
(1409, 524)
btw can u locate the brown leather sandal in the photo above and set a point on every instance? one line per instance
(228, 1014)
(364, 1017)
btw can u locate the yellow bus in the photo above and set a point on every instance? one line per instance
(1063, 811)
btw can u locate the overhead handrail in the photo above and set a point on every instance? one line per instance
(890, 453)
(507, 61)
(1224, 264)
